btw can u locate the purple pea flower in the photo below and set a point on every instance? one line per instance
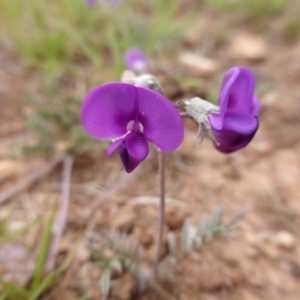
(131, 117)
(91, 3)
(236, 124)
(136, 60)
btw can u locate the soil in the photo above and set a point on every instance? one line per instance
(260, 261)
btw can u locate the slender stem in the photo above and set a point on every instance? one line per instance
(161, 218)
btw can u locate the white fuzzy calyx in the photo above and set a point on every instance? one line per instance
(145, 80)
(199, 110)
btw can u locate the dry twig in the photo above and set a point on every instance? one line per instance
(30, 178)
(60, 223)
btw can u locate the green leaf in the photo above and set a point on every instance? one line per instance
(171, 243)
(105, 282)
(42, 257)
(116, 265)
(233, 222)
(52, 277)
(185, 238)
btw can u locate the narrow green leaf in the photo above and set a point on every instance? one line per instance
(42, 257)
(105, 282)
(233, 222)
(52, 277)
(185, 237)
(201, 229)
(171, 243)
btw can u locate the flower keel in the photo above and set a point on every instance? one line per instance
(133, 150)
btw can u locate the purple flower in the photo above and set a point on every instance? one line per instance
(131, 116)
(236, 124)
(136, 60)
(91, 3)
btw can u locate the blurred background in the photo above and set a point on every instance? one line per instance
(59, 192)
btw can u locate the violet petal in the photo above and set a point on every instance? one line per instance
(237, 131)
(237, 91)
(163, 125)
(133, 151)
(107, 110)
(114, 146)
(91, 3)
(136, 60)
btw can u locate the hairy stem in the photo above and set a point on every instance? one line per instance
(161, 218)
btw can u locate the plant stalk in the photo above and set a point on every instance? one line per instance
(161, 218)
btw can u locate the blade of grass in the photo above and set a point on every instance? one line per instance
(43, 253)
(52, 277)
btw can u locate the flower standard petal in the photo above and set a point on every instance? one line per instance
(237, 91)
(107, 110)
(163, 125)
(133, 150)
(237, 131)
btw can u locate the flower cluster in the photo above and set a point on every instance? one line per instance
(134, 112)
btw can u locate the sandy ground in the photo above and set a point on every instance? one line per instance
(261, 261)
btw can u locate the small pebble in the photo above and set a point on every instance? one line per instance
(249, 47)
(200, 65)
(285, 240)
